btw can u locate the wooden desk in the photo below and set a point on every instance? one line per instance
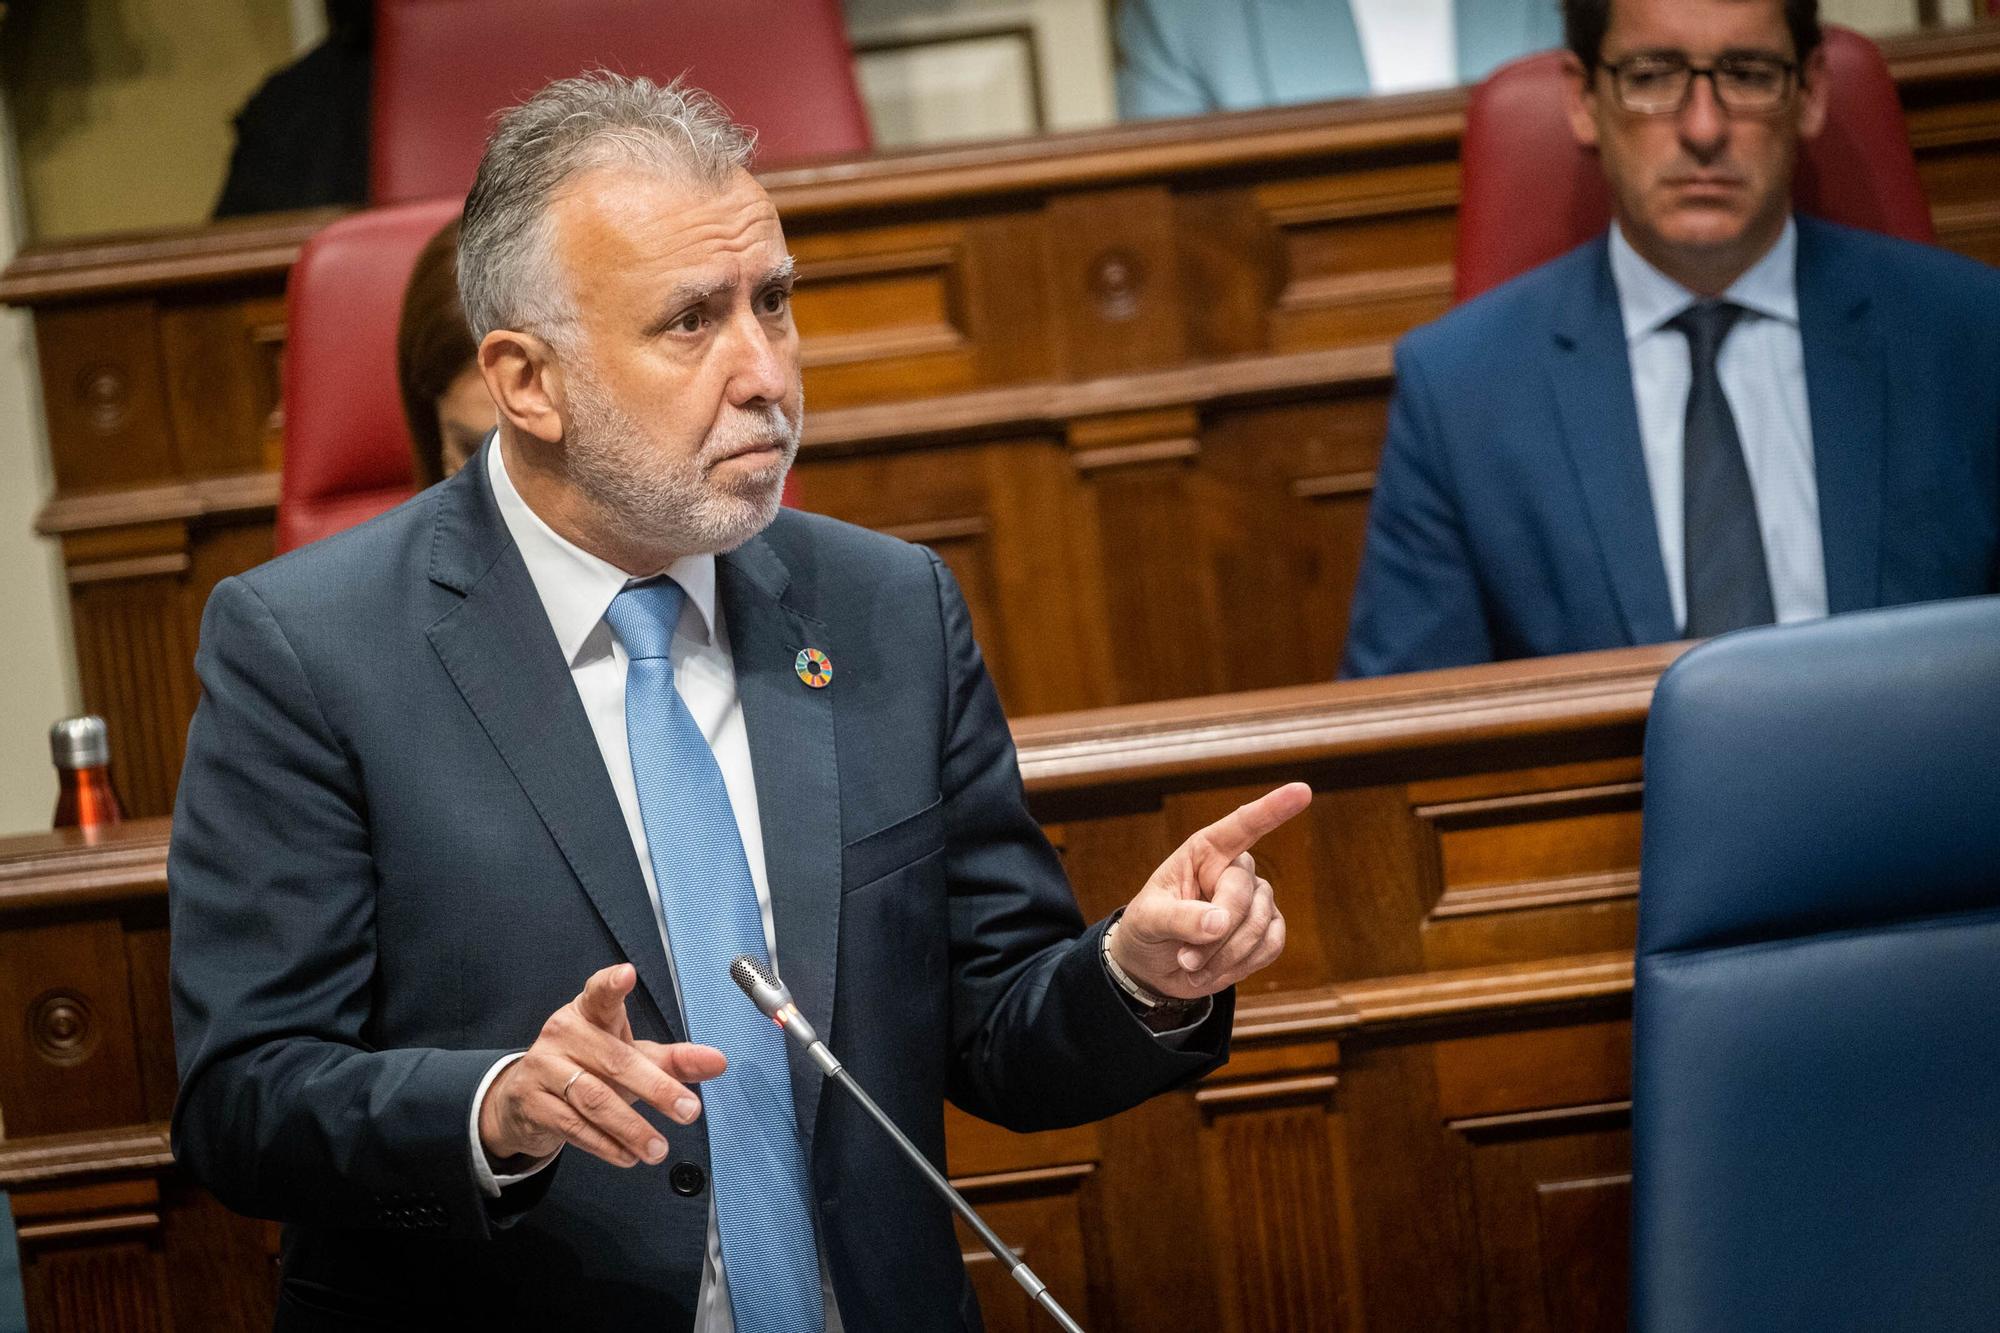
(1130, 384)
(1423, 1125)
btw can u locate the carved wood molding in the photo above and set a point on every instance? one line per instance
(1560, 891)
(1033, 1181)
(1040, 408)
(1265, 1093)
(242, 495)
(1954, 55)
(72, 1159)
(1381, 1004)
(1574, 799)
(1547, 1120)
(935, 532)
(1049, 408)
(106, 1224)
(1267, 729)
(1333, 486)
(1122, 154)
(116, 265)
(70, 869)
(134, 567)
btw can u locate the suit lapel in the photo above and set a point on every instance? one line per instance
(499, 650)
(1847, 389)
(791, 735)
(1591, 378)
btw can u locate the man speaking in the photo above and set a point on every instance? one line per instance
(483, 797)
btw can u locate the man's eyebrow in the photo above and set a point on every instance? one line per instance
(694, 293)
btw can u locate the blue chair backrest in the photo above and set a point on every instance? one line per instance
(1816, 1021)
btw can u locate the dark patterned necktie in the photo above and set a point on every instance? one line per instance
(1728, 583)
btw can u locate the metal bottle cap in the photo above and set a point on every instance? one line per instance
(80, 742)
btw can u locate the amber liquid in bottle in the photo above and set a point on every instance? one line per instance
(85, 798)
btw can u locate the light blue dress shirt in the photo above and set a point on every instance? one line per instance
(1763, 369)
(1190, 57)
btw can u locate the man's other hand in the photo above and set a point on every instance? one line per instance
(578, 1081)
(1206, 919)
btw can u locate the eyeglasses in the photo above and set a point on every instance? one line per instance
(1653, 85)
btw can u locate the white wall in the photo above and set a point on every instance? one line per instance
(123, 110)
(37, 665)
(1885, 17)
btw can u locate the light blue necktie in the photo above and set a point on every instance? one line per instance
(763, 1198)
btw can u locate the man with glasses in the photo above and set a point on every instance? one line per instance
(1716, 415)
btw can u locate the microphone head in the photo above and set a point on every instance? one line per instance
(759, 983)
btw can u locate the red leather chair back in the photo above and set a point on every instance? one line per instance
(347, 449)
(1529, 192)
(443, 68)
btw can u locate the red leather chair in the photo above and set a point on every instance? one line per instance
(347, 450)
(1529, 192)
(444, 67)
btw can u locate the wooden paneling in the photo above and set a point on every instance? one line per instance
(1045, 1216)
(1275, 1154)
(1130, 382)
(1406, 1137)
(71, 1061)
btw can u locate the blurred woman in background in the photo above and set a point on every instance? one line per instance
(444, 399)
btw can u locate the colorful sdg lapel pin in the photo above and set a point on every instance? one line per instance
(815, 668)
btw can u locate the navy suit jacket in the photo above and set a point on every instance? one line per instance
(396, 851)
(1512, 516)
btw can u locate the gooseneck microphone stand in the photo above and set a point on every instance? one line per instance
(774, 1000)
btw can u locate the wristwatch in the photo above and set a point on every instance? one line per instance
(1160, 1013)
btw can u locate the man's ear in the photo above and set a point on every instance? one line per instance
(1813, 93)
(1579, 100)
(525, 378)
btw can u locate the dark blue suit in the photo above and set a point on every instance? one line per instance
(396, 851)
(1512, 515)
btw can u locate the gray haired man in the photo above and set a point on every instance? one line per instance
(483, 797)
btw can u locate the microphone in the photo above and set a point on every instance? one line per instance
(774, 1000)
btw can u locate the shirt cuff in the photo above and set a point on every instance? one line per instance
(490, 1183)
(1177, 1038)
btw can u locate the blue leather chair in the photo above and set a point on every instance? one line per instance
(13, 1304)
(1816, 1084)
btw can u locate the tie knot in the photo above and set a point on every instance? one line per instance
(1705, 326)
(644, 617)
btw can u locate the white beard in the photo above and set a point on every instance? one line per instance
(651, 498)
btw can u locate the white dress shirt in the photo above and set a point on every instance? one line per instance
(1409, 45)
(576, 589)
(1763, 371)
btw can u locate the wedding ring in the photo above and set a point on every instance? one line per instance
(572, 1080)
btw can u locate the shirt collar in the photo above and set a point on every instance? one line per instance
(575, 586)
(1648, 298)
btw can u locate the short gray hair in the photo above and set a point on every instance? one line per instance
(507, 272)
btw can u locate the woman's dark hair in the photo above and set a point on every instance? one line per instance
(433, 348)
(1586, 21)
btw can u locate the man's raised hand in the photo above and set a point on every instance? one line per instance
(578, 1081)
(1206, 920)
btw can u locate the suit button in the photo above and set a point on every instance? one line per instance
(687, 1179)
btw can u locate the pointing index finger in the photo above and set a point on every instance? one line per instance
(1242, 828)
